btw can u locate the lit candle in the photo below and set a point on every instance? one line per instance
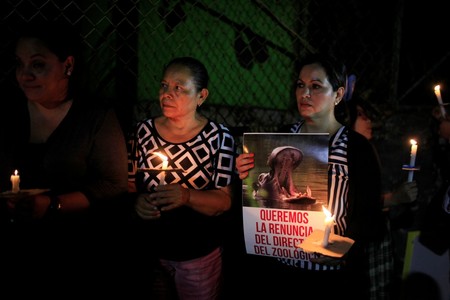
(164, 167)
(437, 92)
(245, 149)
(329, 221)
(412, 161)
(15, 180)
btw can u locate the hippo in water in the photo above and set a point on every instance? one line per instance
(278, 184)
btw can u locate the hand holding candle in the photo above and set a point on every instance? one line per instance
(329, 221)
(412, 162)
(15, 180)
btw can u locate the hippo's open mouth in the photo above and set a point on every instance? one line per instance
(278, 183)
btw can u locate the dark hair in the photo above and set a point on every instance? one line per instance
(60, 38)
(349, 112)
(334, 68)
(197, 68)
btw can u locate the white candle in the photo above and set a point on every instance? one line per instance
(412, 161)
(15, 180)
(164, 167)
(329, 221)
(437, 92)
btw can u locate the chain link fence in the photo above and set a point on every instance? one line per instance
(249, 48)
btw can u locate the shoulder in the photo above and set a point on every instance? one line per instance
(360, 149)
(291, 128)
(216, 126)
(220, 132)
(149, 121)
(357, 139)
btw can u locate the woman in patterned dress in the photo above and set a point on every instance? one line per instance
(182, 208)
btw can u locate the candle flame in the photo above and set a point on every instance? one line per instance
(16, 172)
(413, 142)
(326, 212)
(164, 159)
(162, 156)
(437, 87)
(245, 149)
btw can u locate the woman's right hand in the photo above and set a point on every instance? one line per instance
(245, 162)
(145, 209)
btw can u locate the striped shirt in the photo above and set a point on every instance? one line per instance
(337, 190)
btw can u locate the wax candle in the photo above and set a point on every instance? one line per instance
(15, 180)
(329, 221)
(412, 161)
(164, 167)
(437, 92)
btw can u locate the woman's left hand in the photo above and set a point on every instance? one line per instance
(29, 207)
(170, 196)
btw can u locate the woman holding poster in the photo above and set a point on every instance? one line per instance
(354, 192)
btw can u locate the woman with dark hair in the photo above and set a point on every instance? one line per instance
(354, 195)
(182, 206)
(60, 141)
(71, 157)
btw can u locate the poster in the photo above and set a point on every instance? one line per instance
(284, 193)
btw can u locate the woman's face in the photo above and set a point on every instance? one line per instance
(178, 96)
(314, 93)
(363, 124)
(39, 73)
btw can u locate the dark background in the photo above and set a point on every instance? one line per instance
(397, 49)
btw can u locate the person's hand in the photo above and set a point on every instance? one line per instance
(411, 190)
(244, 162)
(145, 209)
(406, 193)
(327, 260)
(169, 196)
(27, 208)
(403, 194)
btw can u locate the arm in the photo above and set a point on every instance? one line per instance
(108, 164)
(365, 213)
(208, 202)
(100, 175)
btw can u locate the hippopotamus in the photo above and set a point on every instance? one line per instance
(278, 184)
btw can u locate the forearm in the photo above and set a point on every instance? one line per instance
(73, 202)
(210, 202)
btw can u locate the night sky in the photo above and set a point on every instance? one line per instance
(425, 53)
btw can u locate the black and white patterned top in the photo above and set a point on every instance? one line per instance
(207, 162)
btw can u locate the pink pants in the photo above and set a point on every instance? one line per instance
(197, 279)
